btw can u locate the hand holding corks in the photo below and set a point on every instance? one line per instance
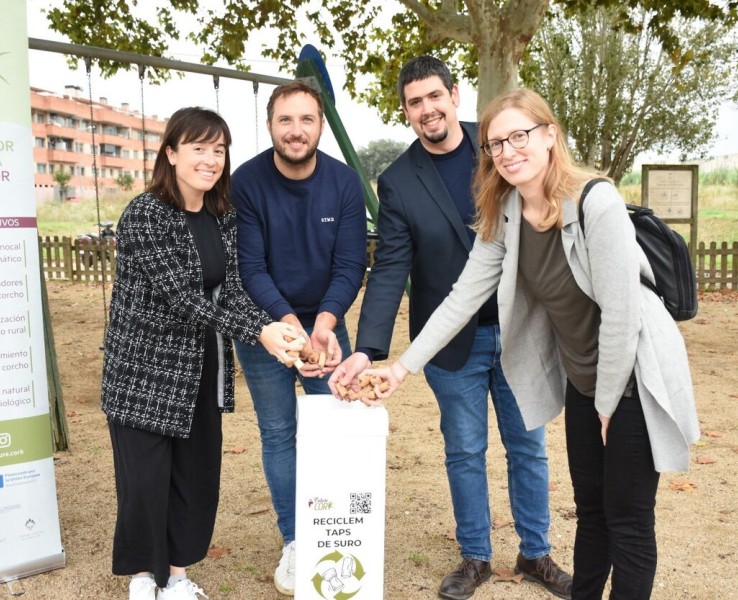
(368, 388)
(306, 354)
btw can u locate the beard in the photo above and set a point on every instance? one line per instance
(292, 159)
(438, 136)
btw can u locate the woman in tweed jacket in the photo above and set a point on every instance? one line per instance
(578, 330)
(168, 370)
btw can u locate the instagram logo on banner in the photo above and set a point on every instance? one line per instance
(5, 440)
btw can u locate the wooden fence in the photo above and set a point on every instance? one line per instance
(73, 260)
(77, 260)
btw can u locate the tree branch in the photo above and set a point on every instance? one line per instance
(443, 23)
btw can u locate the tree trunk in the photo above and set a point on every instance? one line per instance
(501, 36)
(498, 73)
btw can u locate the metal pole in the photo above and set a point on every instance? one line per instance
(150, 61)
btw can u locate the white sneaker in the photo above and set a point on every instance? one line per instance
(142, 588)
(284, 575)
(182, 590)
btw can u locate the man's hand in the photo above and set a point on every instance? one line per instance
(395, 374)
(324, 339)
(347, 372)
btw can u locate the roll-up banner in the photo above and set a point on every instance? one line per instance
(30, 539)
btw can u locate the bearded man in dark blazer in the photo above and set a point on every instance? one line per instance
(426, 211)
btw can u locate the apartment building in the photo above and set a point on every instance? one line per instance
(62, 126)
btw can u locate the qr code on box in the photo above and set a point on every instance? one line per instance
(361, 503)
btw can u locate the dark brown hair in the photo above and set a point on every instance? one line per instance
(288, 89)
(192, 124)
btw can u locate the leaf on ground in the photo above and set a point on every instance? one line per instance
(705, 460)
(503, 574)
(237, 450)
(682, 485)
(552, 487)
(451, 534)
(71, 413)
(393, 428)
(218, 552)
(713, 434)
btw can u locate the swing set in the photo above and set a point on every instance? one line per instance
(309, 66)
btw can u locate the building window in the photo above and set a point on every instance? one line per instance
(79, 147)
(41, 169)
(81, 171)
(40, 143)
(40, 118)
(55, 119)
(109, 150)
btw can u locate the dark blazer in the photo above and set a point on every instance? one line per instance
(421, 234)
(154, 347)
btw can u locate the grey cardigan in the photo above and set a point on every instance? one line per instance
(636, 331)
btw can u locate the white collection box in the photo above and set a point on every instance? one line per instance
(341, 459)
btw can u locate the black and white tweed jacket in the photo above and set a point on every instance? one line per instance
(154, 346)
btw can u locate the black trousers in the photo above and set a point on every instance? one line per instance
(168, 488)
(615, 495)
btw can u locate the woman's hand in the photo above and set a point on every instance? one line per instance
(394, 374)
(605, 421)
(273, 339)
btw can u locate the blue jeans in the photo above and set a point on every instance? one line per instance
(272, 388)
(462, 399)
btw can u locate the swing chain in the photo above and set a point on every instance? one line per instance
(141, 76)
(256, 114)
(93, 126)
(216, 85)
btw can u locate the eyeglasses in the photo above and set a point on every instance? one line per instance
(517, 139)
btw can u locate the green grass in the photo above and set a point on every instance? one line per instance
(418, 559)
(73, 218)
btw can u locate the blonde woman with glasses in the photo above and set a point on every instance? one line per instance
(578, 331)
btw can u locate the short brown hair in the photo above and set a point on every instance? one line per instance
(192, 124)
(294, 87)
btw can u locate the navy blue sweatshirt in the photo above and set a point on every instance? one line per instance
(301, 243)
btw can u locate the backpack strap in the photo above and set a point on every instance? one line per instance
(588, 186)
(637, 209)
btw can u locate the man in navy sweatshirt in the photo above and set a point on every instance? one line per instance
(302, 257)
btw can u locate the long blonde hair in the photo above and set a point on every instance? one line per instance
(563, 178)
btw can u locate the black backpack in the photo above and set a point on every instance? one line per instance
(668, 254)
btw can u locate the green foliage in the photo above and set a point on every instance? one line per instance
(721, 176)
(482, 40)
(70, 219)
(378, 155)
(631, 178)
(618, 92)
(62, 178)
(125, 182)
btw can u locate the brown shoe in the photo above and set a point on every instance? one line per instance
(462, 583)
(546, 572)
